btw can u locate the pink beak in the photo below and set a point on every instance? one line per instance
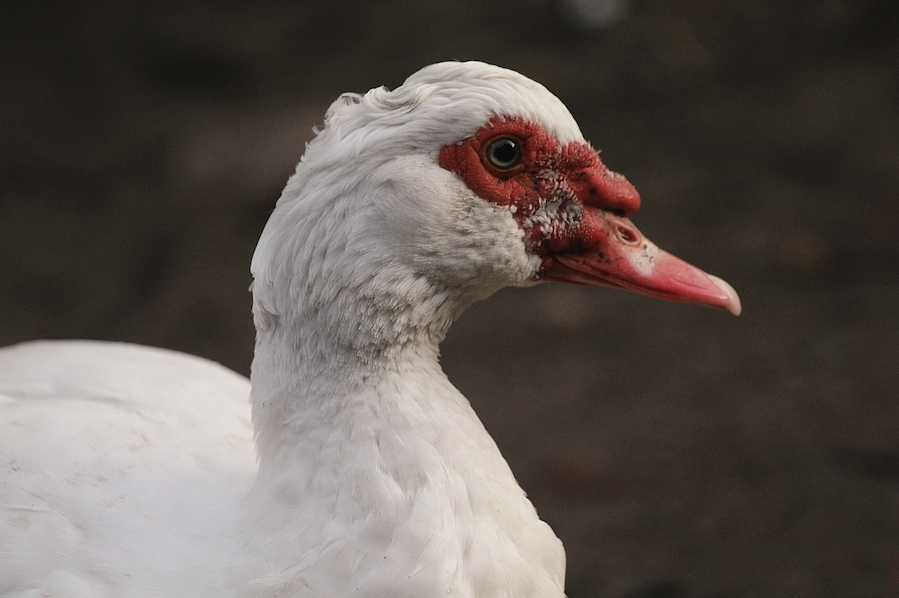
(607, 250)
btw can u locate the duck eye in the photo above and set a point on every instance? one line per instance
(504, 154)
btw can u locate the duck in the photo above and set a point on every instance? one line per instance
(348, 465)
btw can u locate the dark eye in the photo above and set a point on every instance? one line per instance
(504, 154)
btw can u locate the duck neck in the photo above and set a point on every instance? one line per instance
(326, 374)
(371, 449)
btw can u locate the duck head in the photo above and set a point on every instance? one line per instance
(465, 179)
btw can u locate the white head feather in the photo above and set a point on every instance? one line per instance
(370, 216)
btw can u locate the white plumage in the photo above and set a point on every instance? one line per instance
(130, 471)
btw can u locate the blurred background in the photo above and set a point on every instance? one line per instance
(678, 452)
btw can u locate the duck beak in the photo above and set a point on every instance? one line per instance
(606, 250)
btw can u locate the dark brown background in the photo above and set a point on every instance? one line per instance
(679, 452)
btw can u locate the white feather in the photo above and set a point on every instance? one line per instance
(131, 471)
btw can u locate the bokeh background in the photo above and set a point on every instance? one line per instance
(678, 452)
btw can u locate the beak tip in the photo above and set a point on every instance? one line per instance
(732, 302)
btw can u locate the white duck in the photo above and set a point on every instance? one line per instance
(130, 471)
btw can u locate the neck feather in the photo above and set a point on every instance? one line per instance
(300, 384)
(374, 468)
(363, 443)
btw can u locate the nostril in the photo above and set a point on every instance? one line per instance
(627, 234)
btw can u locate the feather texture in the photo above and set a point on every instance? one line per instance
(131, 471)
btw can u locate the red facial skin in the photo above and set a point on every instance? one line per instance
(574, 215)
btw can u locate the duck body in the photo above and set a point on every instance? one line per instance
(144, 484)
(123, 467)
(357, 469)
